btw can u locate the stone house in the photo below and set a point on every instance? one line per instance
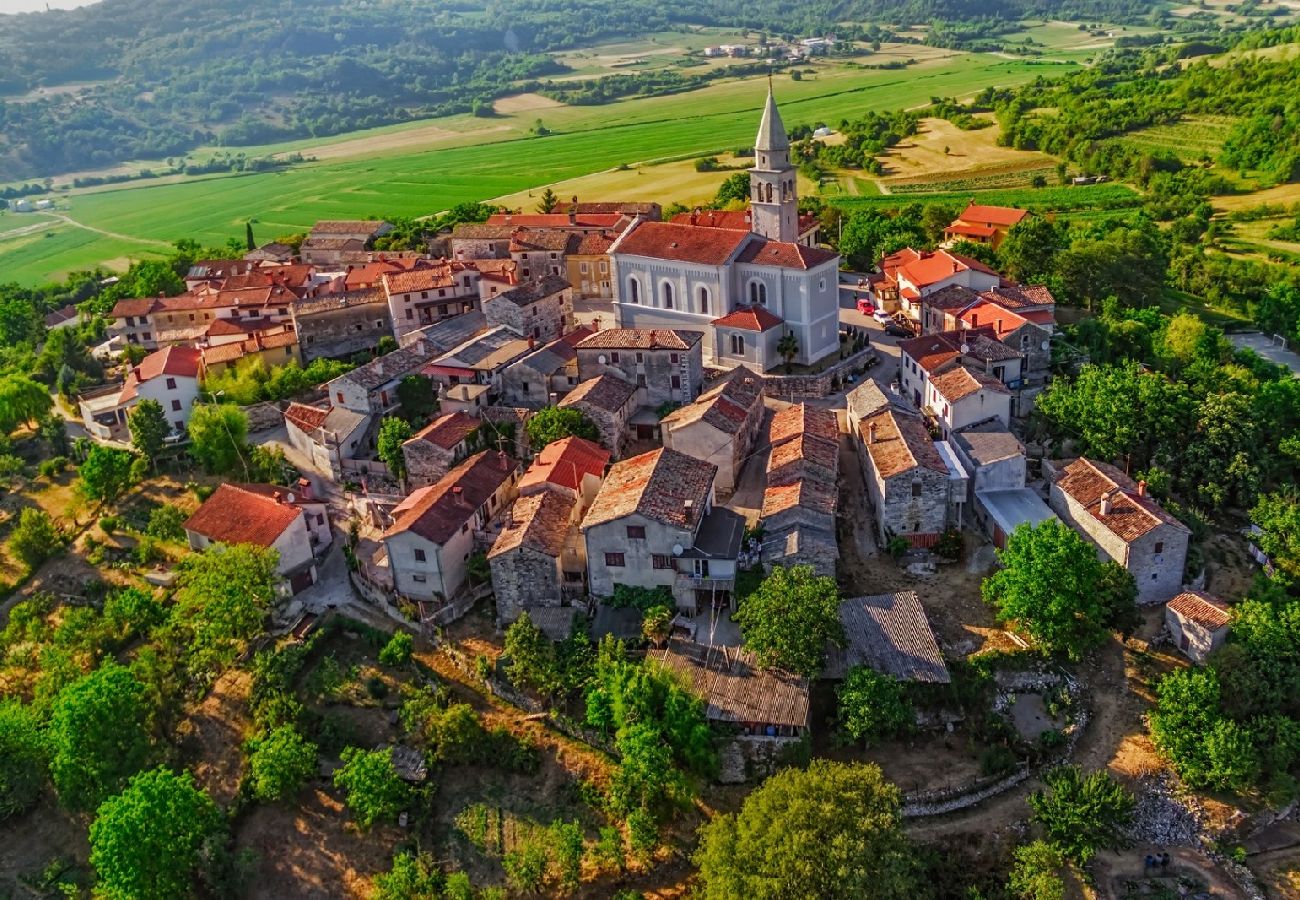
(327, 435)
(542, 377)
(720, 426)
(482, 360)
(433, 532)
(426, 295)
(541, 309)
(535, 556)
(962, 395)
(802, 493)
(432, 451)
(1198, 624)
(340, 242)
(588, 266)
(573, 466)
(290, 522)
(906, 478)
(926, 358)
(653, 524)
(1022, 319)
(667, 366)
(863, 400)
(608, 401)
(479, 241)
(541, 252)
(336, 326)
(1127, 525)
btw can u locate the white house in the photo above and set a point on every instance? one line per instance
(169, 376)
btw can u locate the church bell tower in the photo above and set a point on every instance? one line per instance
(773, 201)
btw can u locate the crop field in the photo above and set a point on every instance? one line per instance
(1056, 199)
(465, 166)
(942, 156)
(1191, 139)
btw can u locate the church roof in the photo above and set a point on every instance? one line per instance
(771, 130)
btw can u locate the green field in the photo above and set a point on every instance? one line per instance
(414, 181)
(1189, 140)
(1056, 199)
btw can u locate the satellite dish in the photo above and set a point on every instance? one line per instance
(965, 348)
(678, 550)
(601, 359)
(1046, 344)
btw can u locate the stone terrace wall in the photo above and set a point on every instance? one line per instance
(810, 387)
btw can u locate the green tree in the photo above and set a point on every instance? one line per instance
(219, 438)
(166, 523)
(393, 433)
(104, 475)
(1036, 872)
(223, 599)
(1082, 814)
(98, 736)
(1028, 252)
(789, 620)
(375, 791)
(22, 758)
(830, 831)
(149, 429)
(548, 201)
(21, 400)
(1053, 585)
(397, 652)
(280, 764)
(249, 243)
(734, 189)
(34, 538)
(873, 706)
(155, 839)
(412, 877)
(553, 423)
(64, 348)
(416, 398)
(1278, 517)
(788, 347)
(54, 431)
(530, 657)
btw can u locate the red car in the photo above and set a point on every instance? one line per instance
(866, 307)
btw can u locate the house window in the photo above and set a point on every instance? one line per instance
(662, 561)
(916, 490)
(704, 301)
(320, 518)
(614, 560)
(640, 358)
(672, 358)
(176, 406)
(613, 357)
(636, 532)
(677, 382)
(171, 384)
(419, 555)
(1160, 547)
(758, 293)
(410, 313)
(633, 291)
(1024, 342)
(604, 267)
(418, 579)
(146, 336)
(339, 395)
(424, 295)
(666, 291)
(582, 267)
(737, 345)
(821, 284)
(640, 380)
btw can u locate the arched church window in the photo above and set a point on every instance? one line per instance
(666, 291)
(769, 192)
(633, 290)
(758, 293)
(704, 301)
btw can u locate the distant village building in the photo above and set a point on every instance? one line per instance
(169, 376)
(664, 366)
(540, 309)
(984, 224)
(608, 401)
(340, 325)
(422, 296)
(721, 426)
(341, 242)
(432, 451)
(326, 435)
(1198, 623)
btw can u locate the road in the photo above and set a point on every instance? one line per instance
(1264, 346)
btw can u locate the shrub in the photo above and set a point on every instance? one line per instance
(35, 538)
(52, 467)
(281, 762)
(166, 523)
(397, 652)
(375, 791)
(109, 524)
(997, 761)
(873, 706)
(1082, 813)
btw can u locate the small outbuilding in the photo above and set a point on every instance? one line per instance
(1198, 623)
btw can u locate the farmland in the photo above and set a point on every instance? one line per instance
(478, 159)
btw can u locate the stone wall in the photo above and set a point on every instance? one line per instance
(263, 416)
(901, 513)
(753, 757)
(524, 576)
(337, 326)
(656, 367)
(426, 462)
(810, 387)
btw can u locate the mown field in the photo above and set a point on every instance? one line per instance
(1053, 198)
(502, 161)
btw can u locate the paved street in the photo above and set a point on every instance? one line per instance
(1264, 346)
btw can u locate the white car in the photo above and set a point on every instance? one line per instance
(882, 317)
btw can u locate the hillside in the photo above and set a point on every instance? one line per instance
(146, 79)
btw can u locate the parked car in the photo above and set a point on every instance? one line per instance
(866, 307)
(882, 317)
(893, 328)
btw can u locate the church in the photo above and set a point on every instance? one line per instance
(744, 288)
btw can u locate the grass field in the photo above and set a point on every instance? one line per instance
(1054, 199)
(460, 166)
(1191, 139)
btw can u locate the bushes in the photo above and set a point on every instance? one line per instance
(34, 539)
(375, 791)
(1082, 813)
(397, 652)
(280, 763)
(166, 523)
(873, 706)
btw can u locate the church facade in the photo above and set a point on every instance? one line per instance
(745, 289)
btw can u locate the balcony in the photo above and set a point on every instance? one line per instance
(691, 581)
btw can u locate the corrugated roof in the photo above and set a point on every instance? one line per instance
(734, 689)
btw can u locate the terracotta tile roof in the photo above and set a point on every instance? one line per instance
(1131, 516)
(526, 241)
(726, 405)
(750, 318)
(626, 207)
(481, 231)
(901, 444)
(565, 462)
(593, 244)
(657, 485)
(608, 392)
(438, 511)
(804, 419)
(535, 290)
(223, 353)
(135, 306)
(177, 361)
(1002, 320)
(934, 352)
(734, 689)
(889, 633)
(306, 418)
(555, 220)
(733, 219)
(423, 279)
(1019, 296)
(1202, 608)
(239, 514)
(931, 268)
(954, 296)
(1005, 216)
(575, 337)
(681, 243)
(641, 339)
(803, 457)
(448, 430)
(980, 231)
(960, 382)
(539, 522)
(348, 226)
(815, 496)
(762, 252)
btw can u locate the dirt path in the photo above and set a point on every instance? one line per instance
(135, 239)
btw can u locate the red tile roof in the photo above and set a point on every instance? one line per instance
(448, 430)
(243, 514)
(750, 318)
(437, 512)
(960, 382)
(801, 458)
(606, 392)
(681, 243)
(762, 252)
(641, 339)
(733, 219)
(807, 493)
(1130, 516)
(1202, 608)
(726, 405)
(555, 220)
(539, 521)
(804, 419)
(662, 485)
(566, 463)
(1005, 216)
(177, 361)
(901, 443)
(981, 231)
(1002, 320)
(306, 418)
(134, 306)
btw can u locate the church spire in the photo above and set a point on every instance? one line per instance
(771, 130)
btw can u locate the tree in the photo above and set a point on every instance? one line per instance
(149, 429)
(554, 423)
(416, 398)
(531, 658)
(412, 877)
(1028, 252)
(98, 736)
(1035, 875)
(104, 475)
(375, 791)
(393, 433)
(154, 839)
(788, 347)
(1278, 517)
(832, 830)
(21, 400)
(657, 624)
(166, 523)
(872, 705)
(280, 764)
(790, 619)
(1053, 585)
(54, 431)
(249, 243)
(222, 599)
(1186, 712)
(397, 652)
(1082, 814)
(546, 205)
(22, 758)
(218, 438)
(64, 349)
(35, 538)
(734, 189)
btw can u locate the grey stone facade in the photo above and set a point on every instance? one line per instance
(541, 309)
(336, 326)
(525, 576)
(664, 375)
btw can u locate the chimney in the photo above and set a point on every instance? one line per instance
(689, 507)
(419, 346)
(573, 215)
(871, 432)
(1142, 488)
(1105, 504)
(509, 218)
(304, 488)
(277, 496)
(532, 342)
